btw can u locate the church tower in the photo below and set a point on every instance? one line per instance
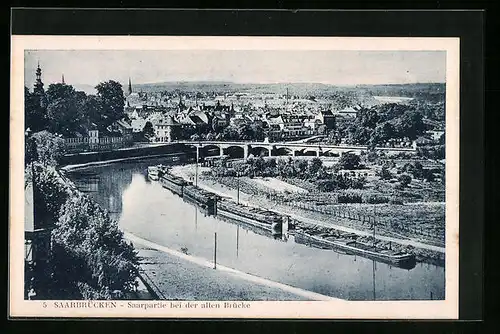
(62, 79)
(129, 86)
(38, 89)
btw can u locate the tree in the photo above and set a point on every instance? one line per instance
(230, 133)
(313, 167)
(92, 247)
(257, 131)
(63, 116)
(389, 111)
(334, 137)
(300, 168)
(270, 167)
(385, 174)
(258, 165)
(367, 118)
(281, 167)
(349, 160)
(35, 113)
(91, 109)
(404, 180)
(359, 135)
(60, 91)
(49, 147)
(241, 168)
(49, 194)
(384, 132)
(322, 129)
(418, 170)
(244, 132)
(410, 125)
(113, 102)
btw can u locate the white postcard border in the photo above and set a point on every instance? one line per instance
(445, 309)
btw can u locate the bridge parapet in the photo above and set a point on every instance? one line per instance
(293, 147)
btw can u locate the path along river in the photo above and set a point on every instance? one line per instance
(145, 209)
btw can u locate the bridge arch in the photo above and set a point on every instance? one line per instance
(283, 151)
(258, 151)
(234, 152)
(210, 150)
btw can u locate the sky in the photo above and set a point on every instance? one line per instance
(89, 67)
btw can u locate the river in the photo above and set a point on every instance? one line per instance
(149, 211)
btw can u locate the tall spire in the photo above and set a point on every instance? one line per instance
(38, 73)
(129, 86)
(38, 89)
(62, 79)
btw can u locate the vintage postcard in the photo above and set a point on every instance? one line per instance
(234, 177)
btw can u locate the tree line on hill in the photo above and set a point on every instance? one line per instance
(378, 124)
(327, 179)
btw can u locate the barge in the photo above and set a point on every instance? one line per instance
(202, 198)
(265, 219)
(153, 172)
(399, 259)
(174, 183)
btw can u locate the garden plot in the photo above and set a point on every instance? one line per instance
(278, 185)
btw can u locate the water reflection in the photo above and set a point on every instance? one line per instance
(149, 211)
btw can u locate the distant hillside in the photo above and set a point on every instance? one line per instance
(87, 89)
(301, 89)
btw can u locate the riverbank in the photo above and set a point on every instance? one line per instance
(140, 152)
(429, 253)
(168, 157)
(149, 211)
(178, 276)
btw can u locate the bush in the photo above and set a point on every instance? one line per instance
(349, 161)
(384, 174)
(49, 148)
(349, 198)
(396, 201)
(50, 194)
(375, 199)
(326, 185)
(404, 180)
(223, 171)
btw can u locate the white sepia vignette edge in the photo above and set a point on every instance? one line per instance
(337, 309)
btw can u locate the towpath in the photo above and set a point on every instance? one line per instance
(222, 272)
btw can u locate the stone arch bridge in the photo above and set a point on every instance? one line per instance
(287, 148)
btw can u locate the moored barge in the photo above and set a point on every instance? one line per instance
(153, 172)
(174, 183)
(400, 259)
(202, 198)
(265, 219)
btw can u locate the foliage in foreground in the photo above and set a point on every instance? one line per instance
(90, 258)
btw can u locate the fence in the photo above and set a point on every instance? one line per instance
(73, 145)
(368, 220)
(365, 219)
